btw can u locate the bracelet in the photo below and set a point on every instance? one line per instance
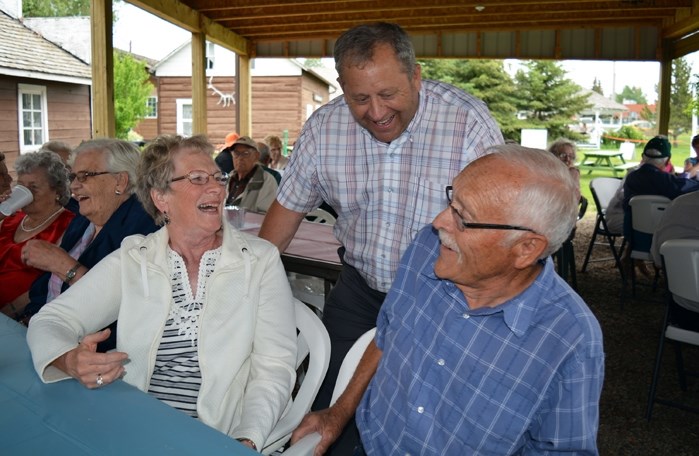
(247, 440)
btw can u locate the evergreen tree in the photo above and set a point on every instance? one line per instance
(131, 92)
(681, 100)
(634, 94)
(549, 98)
(484, 79)
(597, 86)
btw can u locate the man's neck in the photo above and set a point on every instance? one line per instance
(497, 290)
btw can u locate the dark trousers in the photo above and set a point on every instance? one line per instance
(350, 311)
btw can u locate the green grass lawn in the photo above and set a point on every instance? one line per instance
(680, 152)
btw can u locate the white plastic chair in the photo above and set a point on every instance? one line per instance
(603, 190)
(681, 263)
(314, 344)
(646, 212)
(320, 216)
(306, 445)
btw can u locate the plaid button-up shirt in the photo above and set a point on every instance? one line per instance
(384, 193)
(524, 377)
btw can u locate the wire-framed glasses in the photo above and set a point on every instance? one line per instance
(82, 176)
(198, 177)
(461, 224)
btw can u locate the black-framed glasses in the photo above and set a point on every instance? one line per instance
(461, 224)
(82, 176)
(198, 177)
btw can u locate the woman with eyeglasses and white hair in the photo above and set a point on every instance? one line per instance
(103, 181)
(206, 318)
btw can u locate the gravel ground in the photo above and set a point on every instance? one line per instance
(631, 339)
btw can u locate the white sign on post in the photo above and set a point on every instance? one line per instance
(535, 138)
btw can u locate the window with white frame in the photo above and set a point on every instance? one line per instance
(184, 116)
(152, 108)
(210, 56)
(33, 116)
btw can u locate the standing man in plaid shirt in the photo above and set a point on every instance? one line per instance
(380, 156)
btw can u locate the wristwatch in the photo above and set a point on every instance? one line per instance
(72, 272)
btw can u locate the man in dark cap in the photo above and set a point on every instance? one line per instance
(249, 186)
(650, 179)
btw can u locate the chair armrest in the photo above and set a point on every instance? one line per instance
(304, 447)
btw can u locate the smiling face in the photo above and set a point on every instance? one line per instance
(194, 210)
(381, 97)
(98, 194)
(45, 198)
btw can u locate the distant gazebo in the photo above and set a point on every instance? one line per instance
(602, 115)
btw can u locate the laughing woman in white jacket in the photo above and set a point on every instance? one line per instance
(206, 319)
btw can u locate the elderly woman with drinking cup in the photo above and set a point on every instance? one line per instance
(206, 318)
(103, 182)
(44, 179)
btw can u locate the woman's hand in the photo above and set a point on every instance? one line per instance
(90, 368)
(46, 256)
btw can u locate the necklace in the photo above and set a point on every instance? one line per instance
(26, 230)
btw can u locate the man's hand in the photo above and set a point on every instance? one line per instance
(90, 368)
(329, 423)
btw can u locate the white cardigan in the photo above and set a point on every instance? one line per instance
(247, 331)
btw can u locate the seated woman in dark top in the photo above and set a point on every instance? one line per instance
(103, 182)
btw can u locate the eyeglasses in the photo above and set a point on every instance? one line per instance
(461, 224)
(202, 177)
(83, 175)
(242, 153)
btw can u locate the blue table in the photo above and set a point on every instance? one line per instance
(66, 418)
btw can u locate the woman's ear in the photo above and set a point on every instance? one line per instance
(122, 181)
(159, 199)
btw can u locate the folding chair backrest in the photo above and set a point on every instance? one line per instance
(646, 212)
(681, 259)
(627, 150)
(603, 190)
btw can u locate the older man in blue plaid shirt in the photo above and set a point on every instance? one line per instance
(484, 349)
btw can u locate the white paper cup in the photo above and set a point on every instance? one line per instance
(21, 196)
(235, 216)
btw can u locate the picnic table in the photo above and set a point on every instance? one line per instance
(604, 160)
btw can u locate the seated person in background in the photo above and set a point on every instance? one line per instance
(250, 186)
(206, 317)
(564, 150)
(5, 180)
(103, 182)
(278, 161)
(481, 347)
(651, 179)
(62, 149)
(679, 222)
(224, 159)
(44, 220)
(265, 159)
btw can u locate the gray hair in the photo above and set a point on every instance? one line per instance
(52, 164)
(58, 147)
(560, 145)
(356, 46)
(548, 204)
(273, 141)
(157, 165)
(264, 152)
(658, 162)
(119, 156)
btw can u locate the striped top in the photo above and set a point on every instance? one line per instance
(176, 378)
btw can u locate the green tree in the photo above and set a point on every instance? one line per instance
(312, 63)
(484, 79)
(549, 98)
(597, 86)
(647, 114)
(634, 94)
(681, 100)
(131, 91)
(55, 8)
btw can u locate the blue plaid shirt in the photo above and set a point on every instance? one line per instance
(385, 193)
(524, 377)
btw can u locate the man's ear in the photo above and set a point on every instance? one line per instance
(528, 250)
(122, 179)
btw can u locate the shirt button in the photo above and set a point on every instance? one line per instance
(466, 316)
(420, 409)
(392, 155)
(390, 190)
(440, 362)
